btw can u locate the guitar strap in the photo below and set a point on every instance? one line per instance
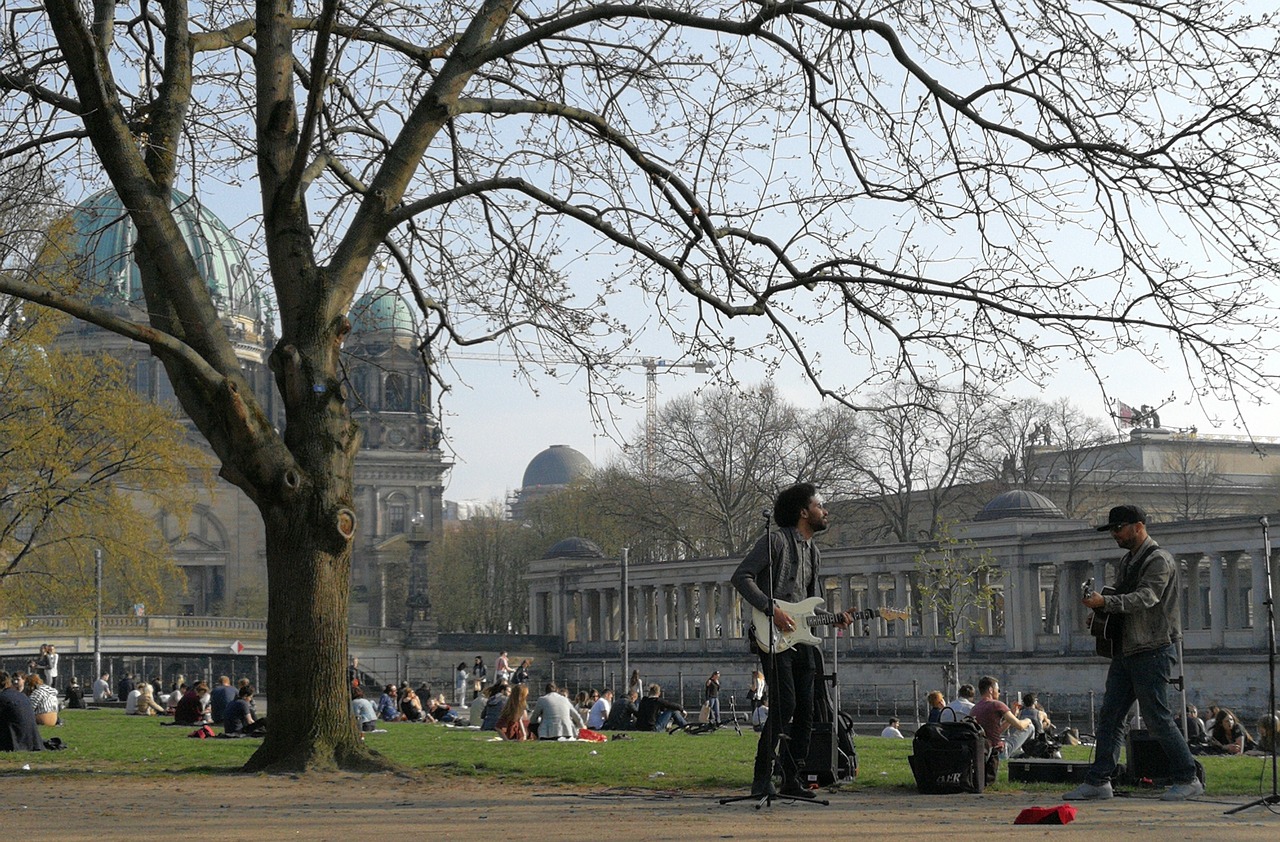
(1133, 572)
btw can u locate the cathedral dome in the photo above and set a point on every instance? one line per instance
(382, 309)
(558, 465)
(575, 548)
(1020, 503)
(103, 237)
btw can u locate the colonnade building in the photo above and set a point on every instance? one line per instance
(685, 616)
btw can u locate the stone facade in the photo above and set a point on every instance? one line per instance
(686, 618)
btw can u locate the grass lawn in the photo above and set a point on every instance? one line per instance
(108, 741)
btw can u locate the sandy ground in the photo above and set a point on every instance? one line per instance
(341, 807)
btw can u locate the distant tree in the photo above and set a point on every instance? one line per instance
(956, 582)
(476, 577)
(1194, 482)
(918, 457)
(84, 464)
(1053, 448)
(720, 458)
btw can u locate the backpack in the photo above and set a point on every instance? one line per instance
(949, 757)
(204, 732)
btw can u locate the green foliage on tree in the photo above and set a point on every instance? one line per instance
(85, 464)
(956, 582)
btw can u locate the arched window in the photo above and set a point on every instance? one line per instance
(397, 394)
(397, 515)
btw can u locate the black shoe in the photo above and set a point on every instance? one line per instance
(794, 789)
(764, 790)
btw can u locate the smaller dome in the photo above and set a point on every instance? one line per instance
(575, 548)
(382, 309)
(558, 465)
(1020, 503)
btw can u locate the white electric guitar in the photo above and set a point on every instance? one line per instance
(806, 618)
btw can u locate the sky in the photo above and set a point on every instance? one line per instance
(498, 425)
(495, 424)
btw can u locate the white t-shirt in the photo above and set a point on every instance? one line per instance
(598, 714)
(962, 707)
(101, 691)
(890, 731)
(131, 703)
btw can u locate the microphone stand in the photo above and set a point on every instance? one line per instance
(1274, 798)
(771, 745)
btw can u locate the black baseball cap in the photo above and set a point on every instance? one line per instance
(1123, 516)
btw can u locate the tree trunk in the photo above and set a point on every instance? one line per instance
(309, 527)
(310, 724)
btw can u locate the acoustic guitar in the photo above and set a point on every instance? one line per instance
(806, 617)
(1107, 629)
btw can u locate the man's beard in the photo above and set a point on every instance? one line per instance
(819, 526)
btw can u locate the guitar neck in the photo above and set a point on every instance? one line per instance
(832, 619)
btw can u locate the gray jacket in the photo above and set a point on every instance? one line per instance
(555, 717)
(1152, 615)
(782, 546)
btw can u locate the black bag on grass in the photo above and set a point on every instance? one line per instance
(949, 757)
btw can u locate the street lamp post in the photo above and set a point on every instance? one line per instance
(626, 622)
(422, 625)
(97, 615)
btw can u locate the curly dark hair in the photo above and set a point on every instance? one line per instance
(791, 502)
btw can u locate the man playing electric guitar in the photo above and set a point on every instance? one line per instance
(1146, 595)
(790, 553)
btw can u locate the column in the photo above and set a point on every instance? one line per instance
(682, 611)
(603, 596)
(900, 600)
(1260, 590)
(1217, 602)
(665, 630)
(1237, 616)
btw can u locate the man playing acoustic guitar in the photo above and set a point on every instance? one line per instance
(1146, 600)
(790, 553)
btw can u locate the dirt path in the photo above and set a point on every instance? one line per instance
(340, 807)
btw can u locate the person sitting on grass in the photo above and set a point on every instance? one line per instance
(495, 702)
(142, 701)
(440, 711)
(18, 730)
(1228, 735)
(44, 700)
(555, 716)
(389, 705)
(362, 708)
(238, 718)
(75, 696)
(411, 705)
(190, 710)
(657, 713)
(622, 715)
(513, 720)
(1267, 727)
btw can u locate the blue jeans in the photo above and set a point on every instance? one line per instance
(1144, 678)
(713, 705)
(667, 717)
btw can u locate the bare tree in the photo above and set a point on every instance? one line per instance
(1195, 482)
(919, 457)
(909, 184)
(1055, 449)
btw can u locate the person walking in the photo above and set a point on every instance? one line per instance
(1146, 598)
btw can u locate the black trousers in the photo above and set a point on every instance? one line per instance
(790, 711)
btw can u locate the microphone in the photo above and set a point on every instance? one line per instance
(766, 514)
(1263, 520)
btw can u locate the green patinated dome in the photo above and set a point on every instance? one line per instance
(103, 236)
(382, 309)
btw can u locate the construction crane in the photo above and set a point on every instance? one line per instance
(653, 366)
